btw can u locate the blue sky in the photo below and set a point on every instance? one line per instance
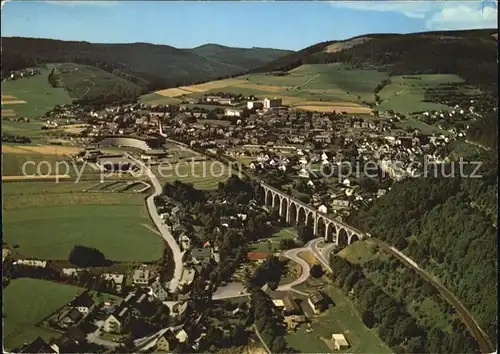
(288, 25)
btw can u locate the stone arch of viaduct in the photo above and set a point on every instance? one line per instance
(297, 212)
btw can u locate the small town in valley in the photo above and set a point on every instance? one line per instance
(333, 196)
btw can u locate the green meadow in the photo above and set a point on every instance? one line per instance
(36, 90)
(47, 219)
(26, 302)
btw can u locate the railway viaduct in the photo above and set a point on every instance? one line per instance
(297, 212)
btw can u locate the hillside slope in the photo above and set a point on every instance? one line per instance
(470, 54)
(151, 66)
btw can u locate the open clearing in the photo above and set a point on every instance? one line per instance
(274, 240)
(26, 302)
(202, 174)
(405, 94)
(47, 219)
(339, 318)
(37, 93)
(337, 47)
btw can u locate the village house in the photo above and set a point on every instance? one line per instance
(232, 112)
(83, 303)
(32, 263)
(290, 307)
(182, 336)
(158, 291)
(187, 277)
(118, 321)
(317, 301)
(338, 205)
(69, 342)
(70, 272)
(339, 342)
(69, 317)
(116, 279)
(167, 342)
(37, 346)
(141, 276)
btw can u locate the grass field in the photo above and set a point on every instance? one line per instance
(36, 91)
(274, 240)
(32, 129)
(46, 220)
(405, 94)
(26, 302)
(20, 160)
(339, 318)
(322, 87)
(155, 98)
(360, 252)
(202, 174)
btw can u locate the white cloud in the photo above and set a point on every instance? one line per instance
(415, 9)
(464, 16)
(438, 15)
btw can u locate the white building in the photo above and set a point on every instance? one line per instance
(254, 104)
(232, 112)
(32, 263)
(303, 173)
(272, 102)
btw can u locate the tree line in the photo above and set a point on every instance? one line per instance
(394, 325)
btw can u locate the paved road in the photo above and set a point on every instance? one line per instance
(94, 337)
(236, 289)
(293, 254)
(322, 254)
(482, 338)
(167, 235)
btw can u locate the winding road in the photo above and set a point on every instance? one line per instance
(165, 232)
(233, 290)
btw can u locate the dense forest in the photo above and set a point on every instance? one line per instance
(150, 66)
(448, 226)
(393, 323)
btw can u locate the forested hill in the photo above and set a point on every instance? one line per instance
(153, 66)
(449, 227)
(472, 54)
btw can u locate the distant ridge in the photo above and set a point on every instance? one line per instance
(154, 66)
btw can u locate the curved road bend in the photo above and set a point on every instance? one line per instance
(238, 290)
(482, 338)
(167, 236)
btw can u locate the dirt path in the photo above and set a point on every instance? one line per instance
(305, 83)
